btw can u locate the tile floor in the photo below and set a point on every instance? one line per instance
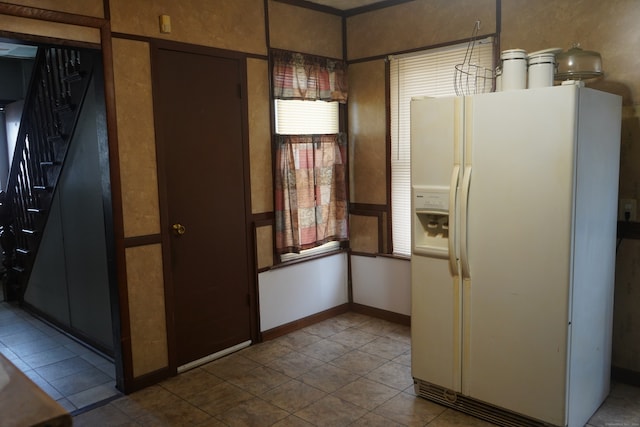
(70, 373)
(348, 370)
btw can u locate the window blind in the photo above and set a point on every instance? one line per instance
(425, 73)
(294, 117)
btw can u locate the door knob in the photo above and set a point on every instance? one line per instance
(178, 229)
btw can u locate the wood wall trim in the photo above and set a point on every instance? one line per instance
(367, 208)
(122, 343)
(365, 254)
(49, 40)
(385, 56)
(388, 151)
(287, 328)
(151, 239)
(149, 379)
(124, 354)
(264, 219)
(281, 330)
(390, 316)
(184, 46)
(52, 15)
(313, 6)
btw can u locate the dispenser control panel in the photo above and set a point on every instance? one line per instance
(431, 200)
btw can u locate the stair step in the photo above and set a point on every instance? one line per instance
(55, 139)
(49, 163)
(63, 108)
(73, 77)
(36, 210)
(41, 188)
(29, 231)
(18, 269)
(22, 251)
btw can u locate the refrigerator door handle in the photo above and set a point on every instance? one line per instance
(453, 193)
(464, 256)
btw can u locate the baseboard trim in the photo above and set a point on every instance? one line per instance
(626, 376)
(390, 316)
(149, 379)
(281, 330)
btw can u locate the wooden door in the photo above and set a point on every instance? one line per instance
(199, 123)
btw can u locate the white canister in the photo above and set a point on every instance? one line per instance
(541, 70)
(514, 69)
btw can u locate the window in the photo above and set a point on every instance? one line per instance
(425, 73)
(295, 117)
(310, 155)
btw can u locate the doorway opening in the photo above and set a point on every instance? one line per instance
(64, 332)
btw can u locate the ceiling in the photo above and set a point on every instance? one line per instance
(346, 4)
(344, 7)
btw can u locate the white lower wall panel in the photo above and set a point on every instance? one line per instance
(291, 293)
(382, 282)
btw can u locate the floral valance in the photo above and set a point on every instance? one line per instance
(307, 77)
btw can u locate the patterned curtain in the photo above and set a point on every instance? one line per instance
(306, 77)
(311, 196)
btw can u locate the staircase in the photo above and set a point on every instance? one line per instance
(58, 86)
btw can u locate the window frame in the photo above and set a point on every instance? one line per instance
(330, 248)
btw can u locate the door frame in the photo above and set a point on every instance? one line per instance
(162, 163)
(122, 356)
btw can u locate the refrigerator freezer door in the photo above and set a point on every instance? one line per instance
(435, 323)
(436, 158)
(436, 132)
(522, 147)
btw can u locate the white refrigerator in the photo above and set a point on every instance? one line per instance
(514, 207)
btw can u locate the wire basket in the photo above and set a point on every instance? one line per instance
(470, 79)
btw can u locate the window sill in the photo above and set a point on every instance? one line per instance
(376, 255)
(305, 259)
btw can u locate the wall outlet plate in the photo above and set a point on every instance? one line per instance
(627, 209)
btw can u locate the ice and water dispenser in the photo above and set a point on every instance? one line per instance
(431, 221)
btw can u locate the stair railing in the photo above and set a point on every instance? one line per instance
(59, 82)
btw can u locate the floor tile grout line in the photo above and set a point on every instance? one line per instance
(25, 321)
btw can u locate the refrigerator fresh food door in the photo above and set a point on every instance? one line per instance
(436, 136)
(521, 145)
